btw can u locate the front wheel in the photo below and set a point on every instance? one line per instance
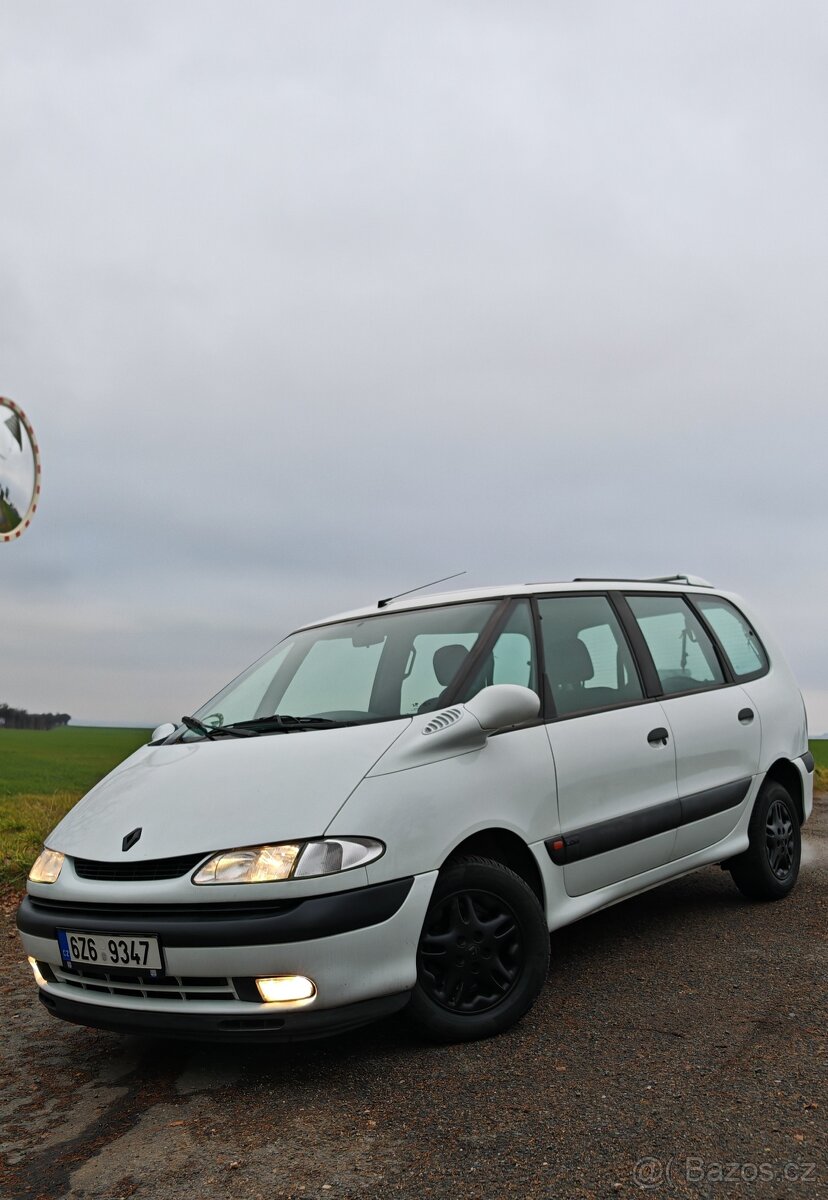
(769, 867)
(483, 952)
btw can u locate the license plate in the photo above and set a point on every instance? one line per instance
(117, 950)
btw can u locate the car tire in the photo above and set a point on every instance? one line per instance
(483, 953)
(769, 867)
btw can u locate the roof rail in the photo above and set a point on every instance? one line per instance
(688, 580)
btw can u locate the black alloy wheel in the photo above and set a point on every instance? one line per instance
(769, 867)
(470, 952)
(483, 952)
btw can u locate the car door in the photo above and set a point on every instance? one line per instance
(713, 724)
(614, 761)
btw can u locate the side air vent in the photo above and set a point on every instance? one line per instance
(449, 716)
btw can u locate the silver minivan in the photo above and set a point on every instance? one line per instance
(393, 807)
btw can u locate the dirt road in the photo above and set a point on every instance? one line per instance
(679, 1048)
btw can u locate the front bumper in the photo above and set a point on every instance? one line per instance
(215, 1027)
(359, 947)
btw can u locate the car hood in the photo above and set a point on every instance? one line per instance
(216, 795)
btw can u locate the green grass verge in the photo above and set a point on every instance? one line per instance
(42, 774)
(820, 752)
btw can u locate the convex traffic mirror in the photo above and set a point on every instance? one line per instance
(19, 471)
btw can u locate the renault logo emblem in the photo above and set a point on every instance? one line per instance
(131, 838)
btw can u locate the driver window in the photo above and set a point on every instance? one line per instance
(588, 662)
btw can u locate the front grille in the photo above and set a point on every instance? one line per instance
(146, 984)
(134, 872)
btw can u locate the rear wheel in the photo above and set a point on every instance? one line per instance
(769, 867)
(483, 952)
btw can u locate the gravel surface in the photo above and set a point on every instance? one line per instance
(686, 1028)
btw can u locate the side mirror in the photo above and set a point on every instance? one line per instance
(161, 733)
(459, 727)
(503, 705)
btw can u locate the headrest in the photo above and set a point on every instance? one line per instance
(447, 662)
(569, 662)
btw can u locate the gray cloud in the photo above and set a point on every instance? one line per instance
(311, 303)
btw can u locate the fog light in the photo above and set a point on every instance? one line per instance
(39, 980)
(287, 989)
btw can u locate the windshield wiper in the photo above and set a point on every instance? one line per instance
(211, 731)
(283, 723)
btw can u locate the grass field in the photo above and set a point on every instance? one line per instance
(820, 753)
(42, 774)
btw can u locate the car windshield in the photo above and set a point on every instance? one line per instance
(372, 669)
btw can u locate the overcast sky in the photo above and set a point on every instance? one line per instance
(312, 302)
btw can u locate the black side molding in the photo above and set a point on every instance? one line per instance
(808, 760)
(645, 823)
(257, 924)
(712, 801)
(616, 832)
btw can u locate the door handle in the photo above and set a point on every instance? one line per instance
(746, 716)
(658, 737)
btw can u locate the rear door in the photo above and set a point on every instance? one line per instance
(713, 724)
(614, 761)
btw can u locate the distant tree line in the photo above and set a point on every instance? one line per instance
(18, 718)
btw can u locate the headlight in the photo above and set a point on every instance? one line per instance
(253, 864)
(47, 867)
(288, 860)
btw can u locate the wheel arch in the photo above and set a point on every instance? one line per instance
(508, 848)
(783, 771)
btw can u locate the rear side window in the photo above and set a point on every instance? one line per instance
(744, 651)
(682, 652)
(588, 662)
